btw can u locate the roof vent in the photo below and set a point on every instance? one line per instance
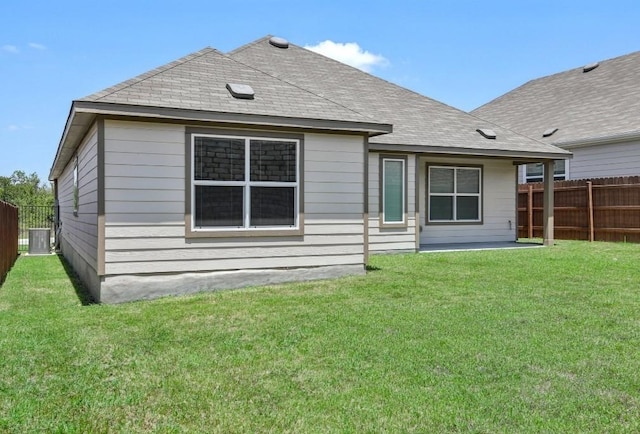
(590, 67)
(240, 91)
(279, 42)
(487, 133)
(549, 132)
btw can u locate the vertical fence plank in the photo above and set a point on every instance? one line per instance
(603, 209)
(8, 237)
(590, 209)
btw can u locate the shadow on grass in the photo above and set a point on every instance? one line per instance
(82, 292)
(372, 268)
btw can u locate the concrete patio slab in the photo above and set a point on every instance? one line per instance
(464, 247)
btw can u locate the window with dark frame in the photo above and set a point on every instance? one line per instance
(454, 194)
(244, 183)
(393, 190)
(534, 172)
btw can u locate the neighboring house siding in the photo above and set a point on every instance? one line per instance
(522, 174)
(499, 199)
(79, 231)
(391, 239)
(604, 161)
(600, 161)
(145, 188)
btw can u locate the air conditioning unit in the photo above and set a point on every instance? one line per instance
(39, 241)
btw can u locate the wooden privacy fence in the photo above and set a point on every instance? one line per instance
(604, 209)
(8, 237)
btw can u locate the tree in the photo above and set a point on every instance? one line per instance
(33, 199)
(22, 190)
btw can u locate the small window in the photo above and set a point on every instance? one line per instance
(393, 191)
(76, 190)
(535, 172)
(243, 183)
(454, 194)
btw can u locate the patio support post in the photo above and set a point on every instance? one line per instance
(548, 204)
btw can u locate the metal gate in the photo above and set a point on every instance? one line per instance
(35, 217)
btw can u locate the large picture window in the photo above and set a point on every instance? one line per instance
(454, 194)
(393, 190)
(244, 183)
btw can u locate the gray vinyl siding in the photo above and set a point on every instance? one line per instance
(600, 161)
(144, 204)
(499, 205)
(391, 239)
(80, 231)
(603, 161)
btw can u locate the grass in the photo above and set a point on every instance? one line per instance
(540, 340)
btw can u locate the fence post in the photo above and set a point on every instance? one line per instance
(590, 209)
(530, 211)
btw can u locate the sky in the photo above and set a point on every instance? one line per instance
(461, 52)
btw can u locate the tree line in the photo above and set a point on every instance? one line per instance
(22, 190)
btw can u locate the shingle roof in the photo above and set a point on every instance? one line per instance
(602, 102)
(417, 120)
(198, 82)
(295, 87)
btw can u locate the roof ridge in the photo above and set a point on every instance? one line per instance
(342, 64)
(351, 109)
(250, 44)
(546, 77)
(149, 74)
(405, 89)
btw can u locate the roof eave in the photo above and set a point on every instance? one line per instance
(82, 114)
(75, 128)
(601, 140)
(114, 109)
(472, 152)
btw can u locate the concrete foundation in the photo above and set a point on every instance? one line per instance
(84, 270)
(119, 289)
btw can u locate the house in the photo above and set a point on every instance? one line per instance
(272, 163)
(593, 111)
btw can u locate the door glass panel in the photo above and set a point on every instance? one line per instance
(393, 191)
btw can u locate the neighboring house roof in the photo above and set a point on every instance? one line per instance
(296, 88)
(587, 105)
(419, 123)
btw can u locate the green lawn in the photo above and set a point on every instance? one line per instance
(513, 341)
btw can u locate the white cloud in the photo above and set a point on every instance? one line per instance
(350, 53)
(37, 46)
(15, 127)
(10, 49)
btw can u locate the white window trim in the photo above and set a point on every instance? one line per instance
(246, 184)
(455, 194)
(403, 193)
